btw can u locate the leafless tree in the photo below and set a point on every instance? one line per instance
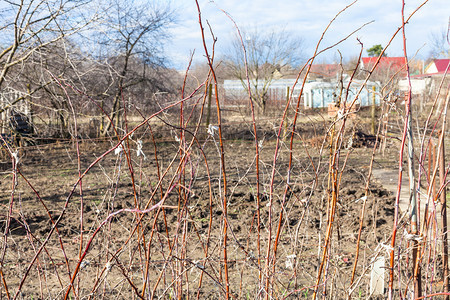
(440, 42)
(132, 32)
(268, 55)
(104, 53)
(30, 25)
(29, 28)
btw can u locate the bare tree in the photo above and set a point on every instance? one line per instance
(268, 55)
(59, 37)
(30, 25)
(132, 32)
(65, 61)
(29, 29)
(440, 43)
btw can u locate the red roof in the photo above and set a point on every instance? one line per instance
(441, 64)
(393, 64)
(325, 70)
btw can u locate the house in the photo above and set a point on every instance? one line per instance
(316, 94)
(438, 67)
(428, 82)
(419, 84)
(321, 94)
(390, 65)
(236, 92)
(325, 70)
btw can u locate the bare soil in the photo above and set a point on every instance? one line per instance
(183, 244)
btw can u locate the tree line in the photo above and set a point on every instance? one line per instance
(99, 57)
(90, 57)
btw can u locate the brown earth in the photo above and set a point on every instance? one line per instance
(187, 243)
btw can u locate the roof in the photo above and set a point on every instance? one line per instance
(386, 63)
(325, 70)
(440, 64)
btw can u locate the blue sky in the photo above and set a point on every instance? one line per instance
(307, 19)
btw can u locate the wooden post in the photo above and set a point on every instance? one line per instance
(287, 114)
(322, 96)
(413, 201)
(102, 119)
(30, 108)
(433, 188)
(373, 110)
(385, 118)
(431, 168)
(443, 198)
(208, 110)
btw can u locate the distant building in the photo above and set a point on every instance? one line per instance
(437, 67)
(391, 65)
(316, 94)
(419, 84)
(321, 94)
(427, 83)
(237, 94)
(325, 70)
